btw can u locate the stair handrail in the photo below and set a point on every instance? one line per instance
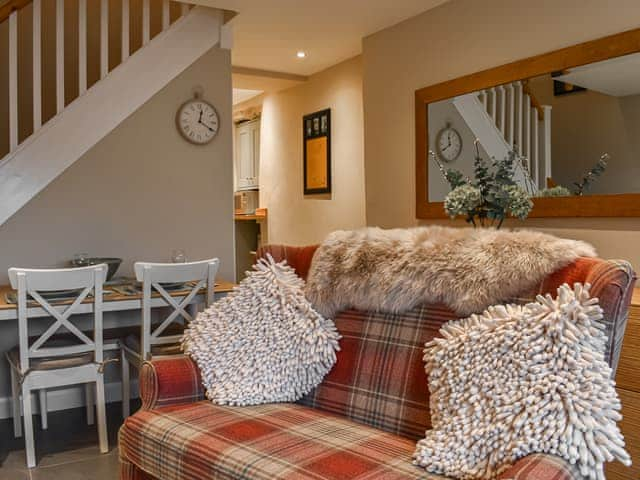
(534, 101)
(9, 12)
(11, 6)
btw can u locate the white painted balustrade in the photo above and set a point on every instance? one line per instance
(64, 47)
(523, 125)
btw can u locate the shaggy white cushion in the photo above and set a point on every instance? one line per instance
(263, 342)
(522, 379)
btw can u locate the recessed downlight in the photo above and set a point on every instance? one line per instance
(301, 54)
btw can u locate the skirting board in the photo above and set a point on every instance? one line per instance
(66, 398)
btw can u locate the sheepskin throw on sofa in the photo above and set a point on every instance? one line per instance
(518, 380)
(466, 269)
(263, 342)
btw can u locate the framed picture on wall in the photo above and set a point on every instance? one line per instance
(316, 139)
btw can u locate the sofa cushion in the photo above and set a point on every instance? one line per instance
(379, 376)
(514, 381)
(284, 441)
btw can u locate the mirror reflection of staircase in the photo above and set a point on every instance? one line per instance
(509, 117)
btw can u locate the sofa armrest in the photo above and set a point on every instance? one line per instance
(612, 282)
(170, 381)
(541, 466)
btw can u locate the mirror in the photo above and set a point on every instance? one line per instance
(571, 120)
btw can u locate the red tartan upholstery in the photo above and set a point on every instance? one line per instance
(299, 258)
(362, 421)
(200, 440)
(539, 466)
(379, 377)
(170, 381)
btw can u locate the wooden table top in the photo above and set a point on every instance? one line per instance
(222, 286)
(259, 216)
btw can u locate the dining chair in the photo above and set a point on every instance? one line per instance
(48, 361)
(161, 339)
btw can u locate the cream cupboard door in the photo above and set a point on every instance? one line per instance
(247, 154)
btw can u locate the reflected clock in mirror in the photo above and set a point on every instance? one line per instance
(448, 143)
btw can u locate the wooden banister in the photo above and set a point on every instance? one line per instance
(6, 8)
(534, 101)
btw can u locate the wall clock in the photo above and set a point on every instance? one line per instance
(197, 121)
(448, 143)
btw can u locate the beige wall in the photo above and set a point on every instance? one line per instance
(586, 124)
(293, 217)
(141, 191)
(455, 39)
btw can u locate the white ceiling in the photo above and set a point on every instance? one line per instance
(618, 77)
(243, 94)
(268, 33)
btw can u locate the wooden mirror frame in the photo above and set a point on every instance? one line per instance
(614, 205)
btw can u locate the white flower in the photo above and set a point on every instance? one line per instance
(462, 200)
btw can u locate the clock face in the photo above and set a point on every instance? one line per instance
(197, 121)
(449, 144)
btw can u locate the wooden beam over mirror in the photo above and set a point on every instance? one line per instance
(615, 205)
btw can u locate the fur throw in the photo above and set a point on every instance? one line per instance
(263, 342)
(466, 269)
(518, 380)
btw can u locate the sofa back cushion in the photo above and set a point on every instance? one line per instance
(379, 376)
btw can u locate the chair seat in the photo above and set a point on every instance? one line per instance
(52, 363)
(202, 440)
(133, 342)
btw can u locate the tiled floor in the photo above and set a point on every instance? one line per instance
(68, 450)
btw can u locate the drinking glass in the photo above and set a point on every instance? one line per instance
(178, 256)
(80, 260)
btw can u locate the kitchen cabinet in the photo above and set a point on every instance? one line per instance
(247, 155)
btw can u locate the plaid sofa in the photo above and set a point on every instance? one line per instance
(361, 423)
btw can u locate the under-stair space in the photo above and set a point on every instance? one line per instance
(509, 118)
(72, 70)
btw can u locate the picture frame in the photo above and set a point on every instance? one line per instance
(316, 140)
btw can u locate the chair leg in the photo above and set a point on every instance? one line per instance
(88, 396)
(28, 426)
(15, 403)
(126, 385)
(42, 394)
(102, 415)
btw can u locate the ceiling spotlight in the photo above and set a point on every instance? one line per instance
(301, 54)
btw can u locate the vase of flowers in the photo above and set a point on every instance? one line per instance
(491, 197)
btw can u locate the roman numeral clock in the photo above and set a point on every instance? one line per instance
(197, 121)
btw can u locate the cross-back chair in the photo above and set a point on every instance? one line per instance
(50, 361)
(161, 339)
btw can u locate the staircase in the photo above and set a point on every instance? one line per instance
(509, 117)
(120, 54)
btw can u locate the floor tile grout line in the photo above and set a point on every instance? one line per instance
(70, 462)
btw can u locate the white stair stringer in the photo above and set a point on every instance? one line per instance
(89, 118)
(481, 124)
(489, 135)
